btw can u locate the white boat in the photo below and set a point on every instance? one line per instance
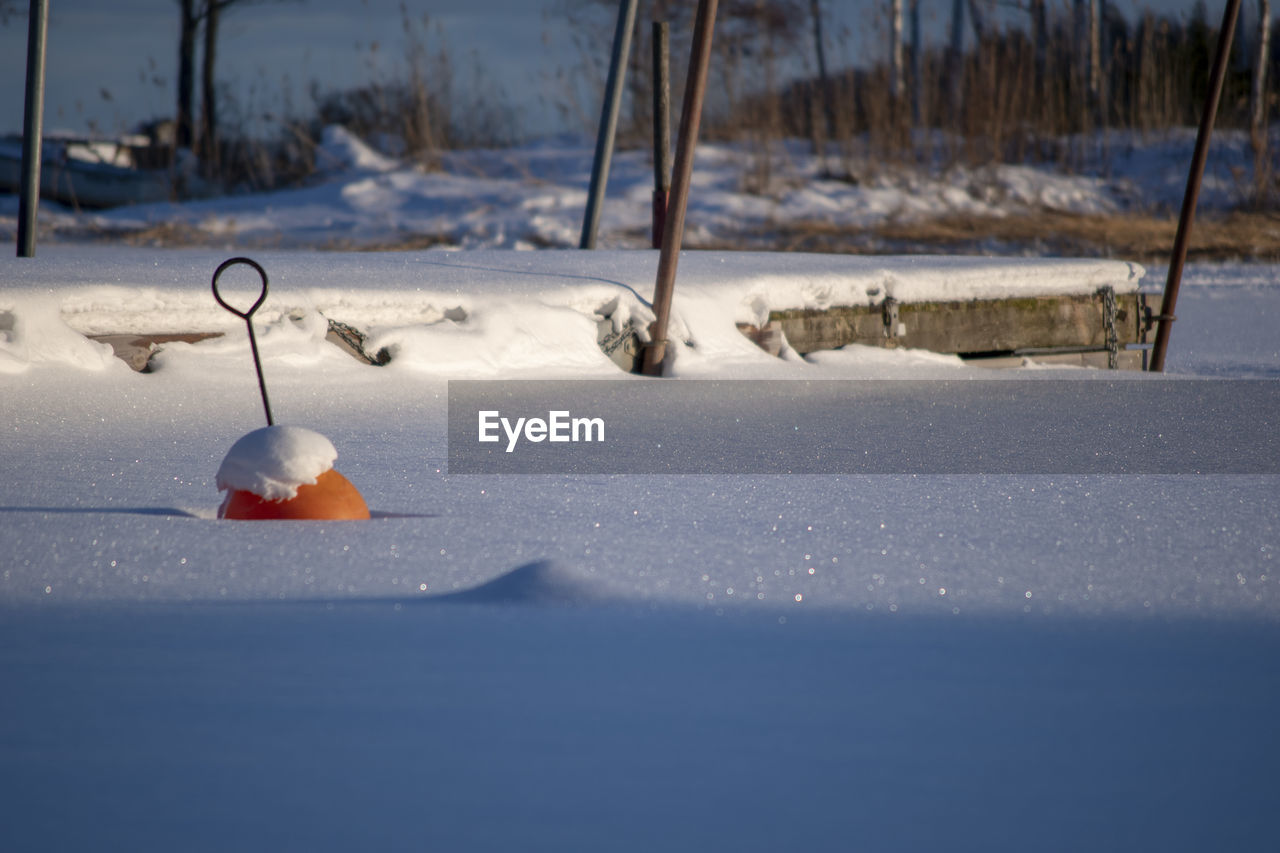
(87, 173)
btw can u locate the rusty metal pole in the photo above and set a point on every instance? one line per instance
(32, 123)
(695, 88)
(608, 122)
(1192, 194)
(661, 129)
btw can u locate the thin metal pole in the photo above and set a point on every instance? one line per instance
(673, 234)
(608, 122)
(247, 316)
(661, 129)
(32, 124)
(1192, 194)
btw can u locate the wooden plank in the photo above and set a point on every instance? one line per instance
(967, 327)
(136, 350)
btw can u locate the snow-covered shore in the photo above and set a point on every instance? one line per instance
(534, 196)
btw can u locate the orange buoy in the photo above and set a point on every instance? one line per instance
(286, 472)
(330, 498)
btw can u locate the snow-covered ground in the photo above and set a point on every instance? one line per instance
(603, 662)
(533, 196)
(1056, 661)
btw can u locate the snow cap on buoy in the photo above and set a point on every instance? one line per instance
(283, 472)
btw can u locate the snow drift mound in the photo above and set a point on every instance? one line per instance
(341, 151)
(541, 582)
(32, 331)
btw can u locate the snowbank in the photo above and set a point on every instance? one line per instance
(477, 313)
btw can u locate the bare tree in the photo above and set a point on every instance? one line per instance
(9, 9)
(750, 35)
(916, 65)
(208, 85)
(955, 62)
(824, 81)
(1259, 133)
(1095, 62)
(193, 15)
(1079, 57)
(1258, 92)
(1040, 47)
(184, 133)
(978, 18)
(897, 59)
(1087, 57)
(955, 50)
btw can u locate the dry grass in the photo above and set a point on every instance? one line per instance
(1240, 235)
(166, 235)
(403, 243)
(1140, 238)
(171, 235)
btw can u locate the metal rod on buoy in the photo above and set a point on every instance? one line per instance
(247, 317)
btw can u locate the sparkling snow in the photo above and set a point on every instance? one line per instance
(602, 662)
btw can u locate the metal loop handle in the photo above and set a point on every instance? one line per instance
(262, 274)
(246, 316)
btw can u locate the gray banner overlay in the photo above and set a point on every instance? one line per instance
(1003, 426)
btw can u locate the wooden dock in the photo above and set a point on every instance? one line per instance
(1103, 329)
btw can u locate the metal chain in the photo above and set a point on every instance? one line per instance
(355, 339)
(1109, 320)
(889, 309)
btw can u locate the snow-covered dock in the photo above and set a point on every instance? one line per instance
(468, 312)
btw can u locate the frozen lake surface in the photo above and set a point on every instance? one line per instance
(613, 661)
